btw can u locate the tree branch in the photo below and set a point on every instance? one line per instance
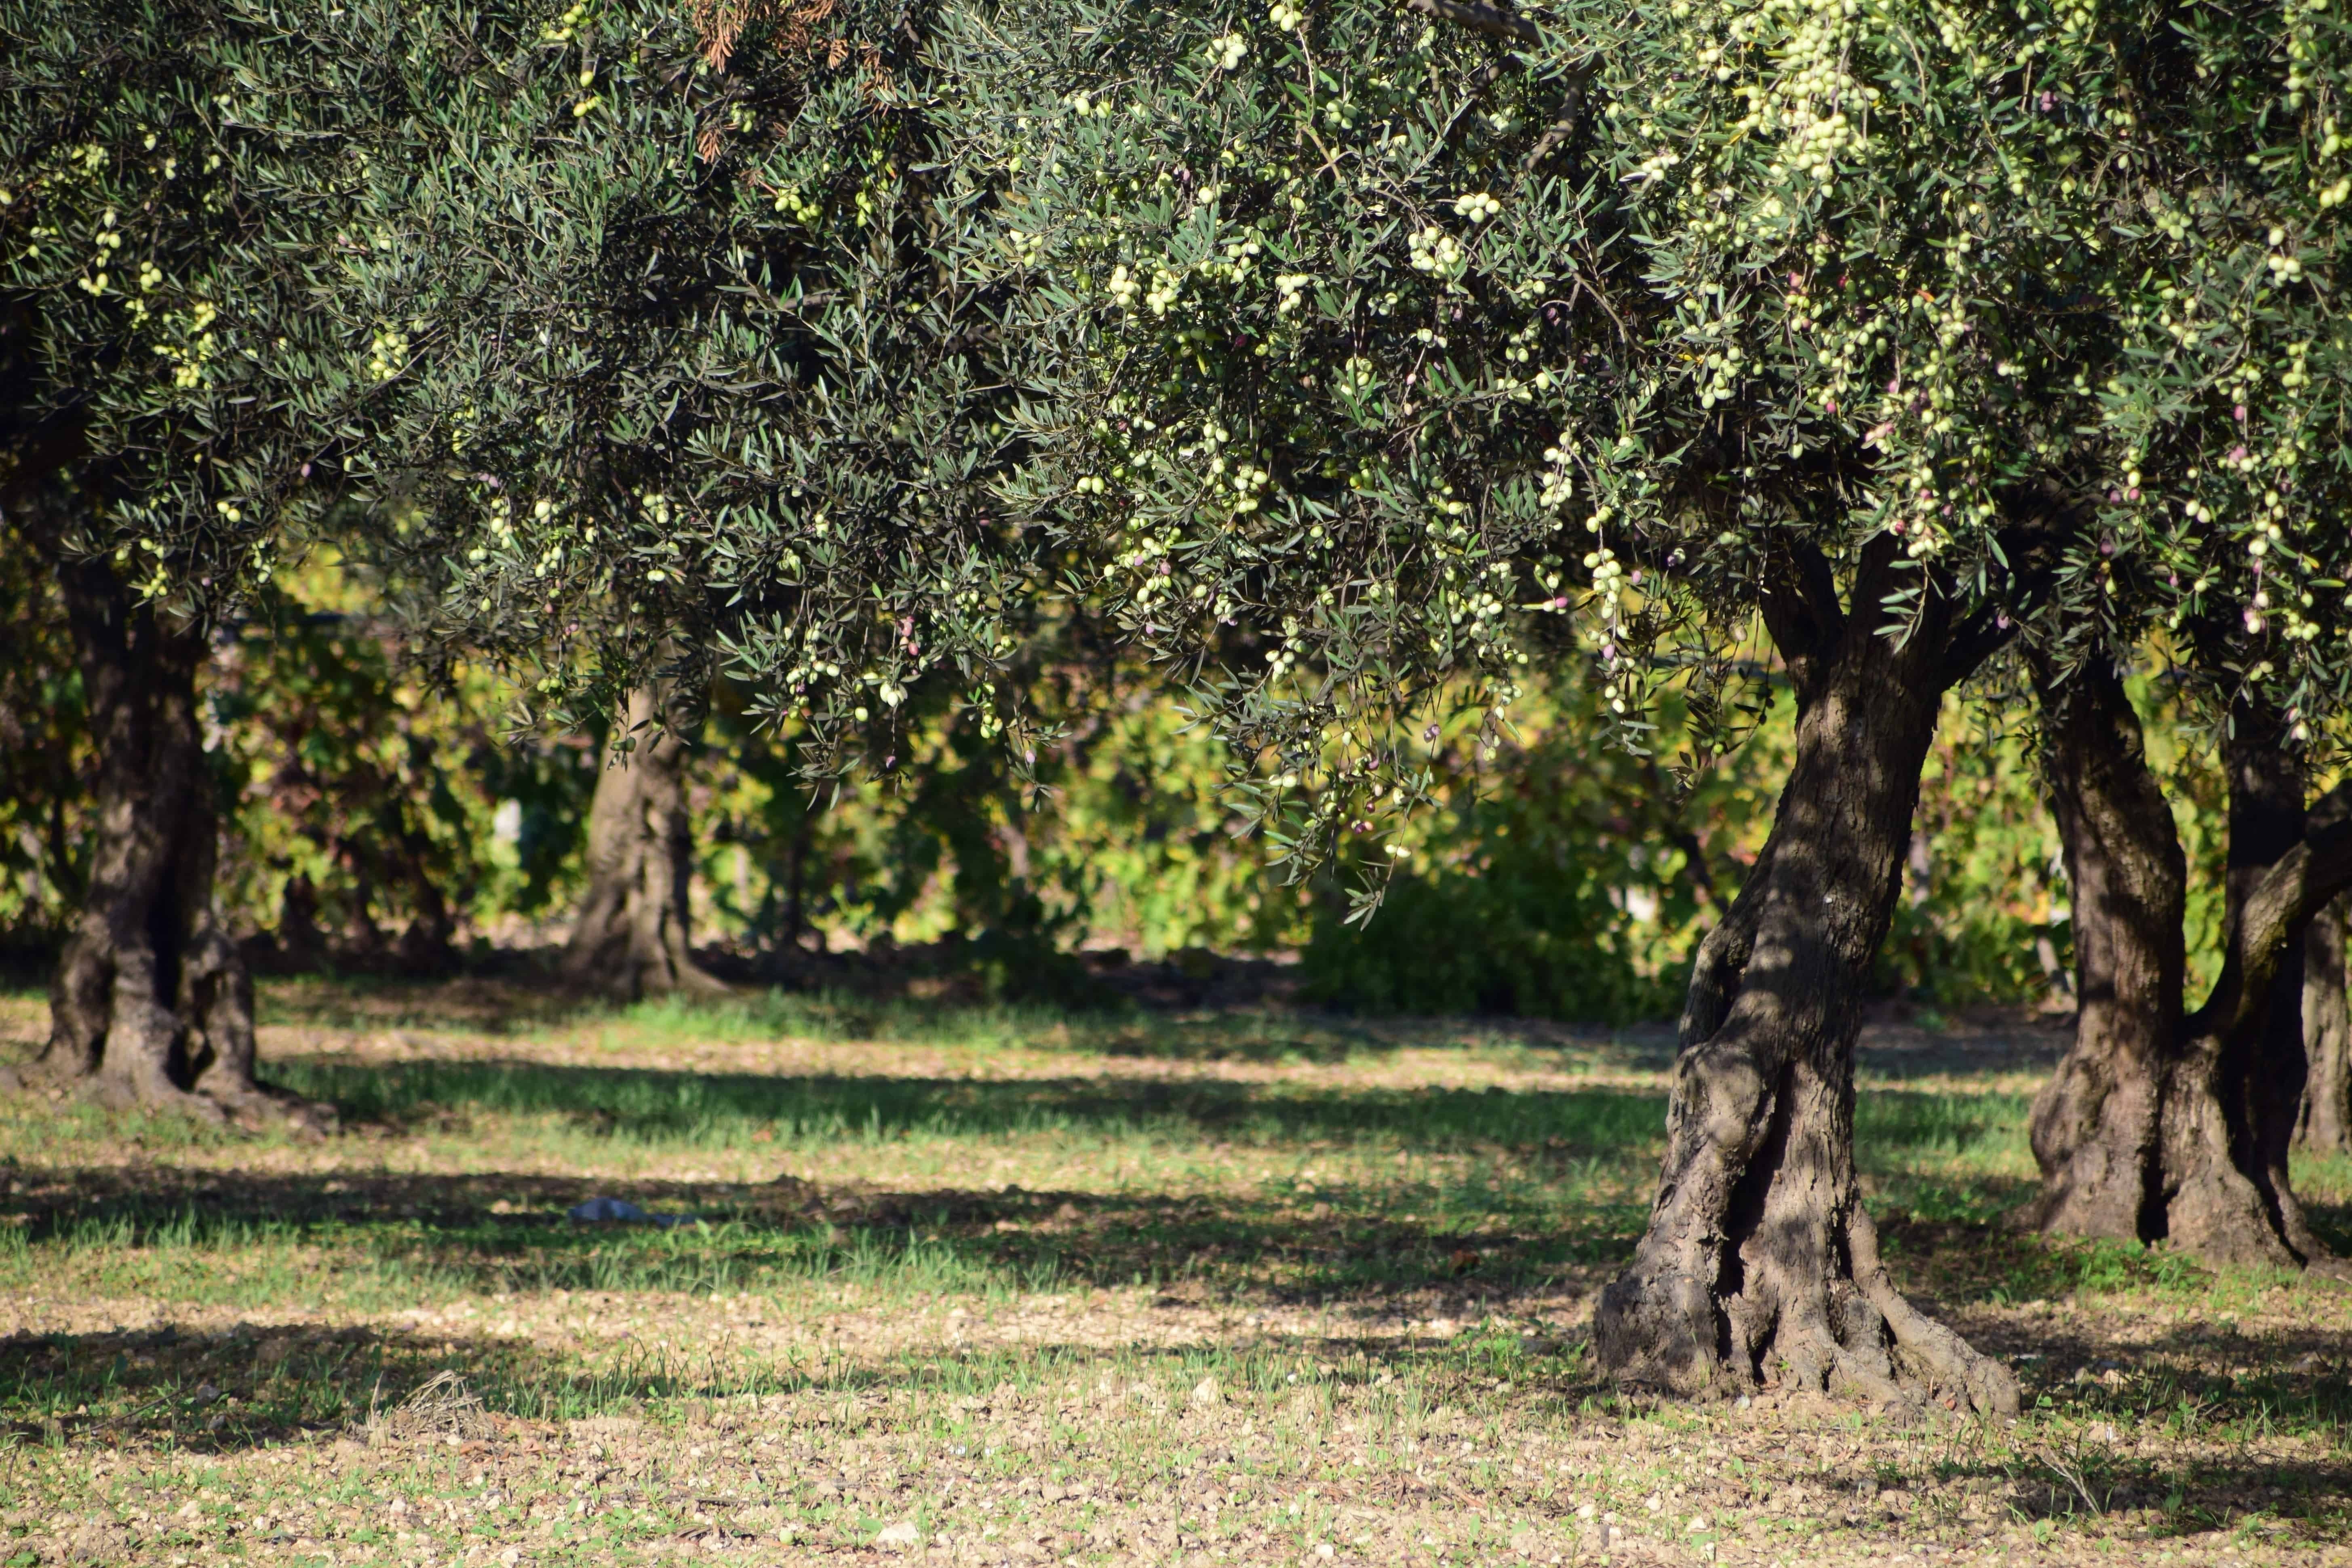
(1572, 117)
(1973, 641)
(2297, 886)
(1492, 20)
(1801, 613)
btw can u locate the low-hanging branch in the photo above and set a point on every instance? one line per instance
(1490, 19)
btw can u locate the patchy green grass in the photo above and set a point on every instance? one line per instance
(988, 1285)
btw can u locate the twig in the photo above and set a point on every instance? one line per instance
(1478, 17)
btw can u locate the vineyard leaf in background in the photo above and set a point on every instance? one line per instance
(379, 817)
(44, 761)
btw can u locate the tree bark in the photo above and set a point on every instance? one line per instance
(2161, 1124)
(797, 857)
(2324, 1125)
(2238, 1087)
(2097, 1124)
(151, 1005)
(631, 939)
(1760, 1263)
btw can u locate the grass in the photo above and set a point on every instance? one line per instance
(994, 1285)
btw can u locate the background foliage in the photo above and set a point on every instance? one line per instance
(383, 816)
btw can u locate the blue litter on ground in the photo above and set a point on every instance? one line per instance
(620, 1211)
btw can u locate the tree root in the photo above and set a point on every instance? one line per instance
(1930, 1350)
(254, 1106)
(1863, 1339)
(217, 1100)
(1850, 1335)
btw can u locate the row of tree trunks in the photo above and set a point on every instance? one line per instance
(152, 999)
(151, 1005)
(2162, 1124)
(1761, 1264)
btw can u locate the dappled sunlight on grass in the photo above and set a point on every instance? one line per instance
(1082, 1262)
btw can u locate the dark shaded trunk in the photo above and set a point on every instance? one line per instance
(151, 1005)
(425, 948)
(631, 939)
(2161, 1124)
(796, 856)
(2325, 1126)
(2097, 1124)
(1761, 1264)
(2248, 1047)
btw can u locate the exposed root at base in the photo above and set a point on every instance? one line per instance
(247, 1105)
(1850, 1335)
(257, 1105)
(125, 1098)
(1898, 1358)
(1932, 1349)
(1861, 1337)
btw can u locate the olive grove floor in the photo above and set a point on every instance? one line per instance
(980, 1286)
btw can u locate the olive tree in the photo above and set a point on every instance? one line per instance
(687, 371)
(173, 405)
(2222, 523)
(1377, 358)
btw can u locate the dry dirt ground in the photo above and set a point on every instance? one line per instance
(1234, 1288)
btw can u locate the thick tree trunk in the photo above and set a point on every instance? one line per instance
(1760, 1263)
(796, 877)
(2325, 1126)
(2097, 1124)
(151, 1005)
(2238, 1087)
(631, 939)
(2161, 1124)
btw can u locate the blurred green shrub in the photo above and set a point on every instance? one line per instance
(374, 819)
(380, 819)
(1559, 878)
(45, 759)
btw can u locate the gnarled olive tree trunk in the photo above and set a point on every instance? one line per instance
(2161, 1123)
(1760, 1263)
(2325, 1126)
(151, 1005)
(2098, 1123)
(631, 939)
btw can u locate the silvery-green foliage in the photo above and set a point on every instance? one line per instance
(689, 361)
(1367, 346)
(2229, 408)
(176, 382)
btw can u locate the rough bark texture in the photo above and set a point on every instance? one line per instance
(2325, 1126)
(2235, 1092)
(2098, 1123)
(632, 936)
(151, 1005)
(2162, 1124)
(1760, 1263)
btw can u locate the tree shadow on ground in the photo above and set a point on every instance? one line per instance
(1998, 1264)
(218, 1390)
(431, 1235)
(406, 1237)
(827, 1109)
